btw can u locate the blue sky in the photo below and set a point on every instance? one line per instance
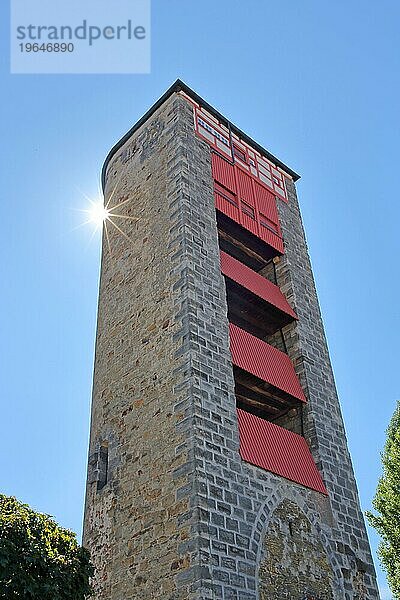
(317, 83)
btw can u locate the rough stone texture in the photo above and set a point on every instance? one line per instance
(293, 563)
(136, 524)
(181, 516)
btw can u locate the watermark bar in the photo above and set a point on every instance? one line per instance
(71, 36)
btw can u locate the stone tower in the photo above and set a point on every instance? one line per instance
(218, 463)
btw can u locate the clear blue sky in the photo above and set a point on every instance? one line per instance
(315, 82)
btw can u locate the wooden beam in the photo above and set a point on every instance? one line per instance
(243, 397)
(252, 254)
(258, 388)
(260, 397)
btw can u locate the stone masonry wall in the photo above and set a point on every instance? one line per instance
(294, 562)
(137, 523)
(182, 517)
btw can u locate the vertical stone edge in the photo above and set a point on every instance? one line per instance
(323, 423)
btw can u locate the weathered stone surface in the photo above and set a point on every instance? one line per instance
(135, 525)
(294, 563)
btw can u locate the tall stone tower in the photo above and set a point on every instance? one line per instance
(218, 463)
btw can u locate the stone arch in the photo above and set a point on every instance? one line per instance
(294, 564)
(307, 514)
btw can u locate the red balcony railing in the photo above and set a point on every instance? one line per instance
(265, 362)
(246, 202)
(278, 450)
(255, 283)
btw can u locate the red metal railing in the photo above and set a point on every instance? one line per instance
(263, 361)
(278, 450)
(255, 283)
(246, 201)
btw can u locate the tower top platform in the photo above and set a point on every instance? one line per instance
(180, 86)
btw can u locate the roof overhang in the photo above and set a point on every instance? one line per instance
(178, 86)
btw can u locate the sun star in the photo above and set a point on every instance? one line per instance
(98, 214)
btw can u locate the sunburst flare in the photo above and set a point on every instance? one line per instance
(98, 213)
(101, 214)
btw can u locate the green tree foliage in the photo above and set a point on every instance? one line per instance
(38, 559)
(387, 505)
